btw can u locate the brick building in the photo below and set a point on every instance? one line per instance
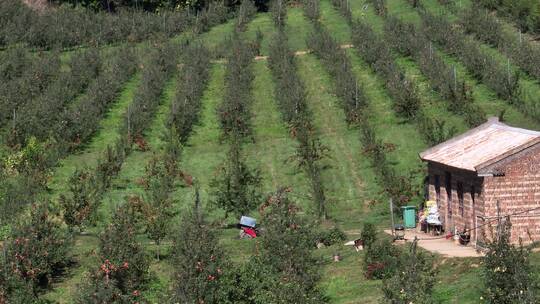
(492, 164)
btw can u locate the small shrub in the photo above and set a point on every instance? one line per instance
(37, 249)
(368, 235)
(413, 279)
(507, 272)
(236, 187)
(331, 236)
(199, 261)
(80, 206)
(381, 260)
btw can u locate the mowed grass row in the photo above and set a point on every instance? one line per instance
(106, 135)
(124, 185)
(389, 127)
(482, 95)
(432, 103)
(350, 184)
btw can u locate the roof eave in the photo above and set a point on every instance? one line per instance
(507, 154)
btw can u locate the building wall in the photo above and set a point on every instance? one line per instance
(517, 191)
(455, 215)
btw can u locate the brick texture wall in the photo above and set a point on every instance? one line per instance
(518, 190)
(455, 215)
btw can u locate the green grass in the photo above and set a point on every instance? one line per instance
(265, 24)
(297, 29)
(482, 95)
(432, 103)
(106, 135)
(125, 183)
(353, 194)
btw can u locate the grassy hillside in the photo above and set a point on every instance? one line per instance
(352, 186)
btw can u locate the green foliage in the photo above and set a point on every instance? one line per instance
(100, 287)
(157, 209)
(413, 279)
(42, 113)
(344, 8)
(507, 271)
(24, 174)
(186, 105)
(291, 97)
(443, 78)
(159, 66)
(526, 13)
(380, 7)
(377, 53)
(489, 29)
(37, 249)
(381, 260)
(246, 12)
(236, 188)
(278, 8)
(330, 237)
(234, 112)
(496, 75)
(368, 235)
(435, 132)
(311, 9)
(80, 206)
(79, 121)
(198, 260)
(124, 266)
(286, 248)
(53, 28)
(23, 80)
(337, 62)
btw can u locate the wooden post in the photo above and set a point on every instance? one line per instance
(498, 220)
(392, 215)
(455, 79)
(356, 94)
(508, 69)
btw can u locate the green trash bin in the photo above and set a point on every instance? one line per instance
(409, 216)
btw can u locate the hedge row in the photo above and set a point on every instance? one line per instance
(26, 170)
(234, 111)
(489, 29)
(377, 54)
(81, 119)
(38, 116)
(87, 186)
(194, 76)
(291, 97)
(443, 78)
(156, 72)
(354, 103)
(24, 77)
(69, 27)
(246, 11)
(525, 13)
(497, 76)
(340, 68)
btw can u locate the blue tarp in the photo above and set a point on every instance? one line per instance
(248, 221)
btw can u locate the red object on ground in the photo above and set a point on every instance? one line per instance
(250, 232)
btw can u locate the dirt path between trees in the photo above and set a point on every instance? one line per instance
(297, 53)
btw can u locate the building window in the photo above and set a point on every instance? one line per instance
(448, 180)
(437, 189)
(460, 197)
